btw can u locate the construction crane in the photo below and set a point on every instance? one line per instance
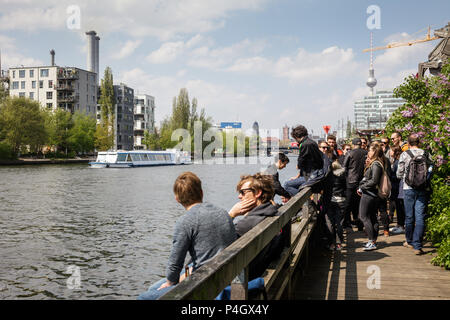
(437, 57)
(408, 43)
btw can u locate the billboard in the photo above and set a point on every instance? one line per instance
(231, 125)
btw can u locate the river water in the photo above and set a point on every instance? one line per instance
(73, 232)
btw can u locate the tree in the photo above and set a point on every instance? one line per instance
(22, 124)
(105, 130)
(59, 123)
(426, 112)
(82, 134)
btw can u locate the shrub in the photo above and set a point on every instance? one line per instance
(6, 152)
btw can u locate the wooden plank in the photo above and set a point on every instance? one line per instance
(207, 281)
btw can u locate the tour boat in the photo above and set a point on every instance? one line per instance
(140, 158)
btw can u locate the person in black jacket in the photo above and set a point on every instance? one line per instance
(309, 162)
(335, 213)
(280, 162)
(368, 190)
(354, 169)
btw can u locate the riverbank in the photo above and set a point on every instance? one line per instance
(28, 161)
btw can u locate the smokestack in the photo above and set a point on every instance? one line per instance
(97, 63)
(52, 53)
(91, 51)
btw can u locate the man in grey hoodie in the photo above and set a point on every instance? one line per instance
(203, 231)
(256, 193)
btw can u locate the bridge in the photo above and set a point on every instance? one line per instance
(305, 270)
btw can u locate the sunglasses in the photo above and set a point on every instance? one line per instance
(242, 191)
(324, 147)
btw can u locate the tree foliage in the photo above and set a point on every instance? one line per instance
(427, 113)
(105, 129)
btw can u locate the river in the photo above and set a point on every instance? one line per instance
(73, 232)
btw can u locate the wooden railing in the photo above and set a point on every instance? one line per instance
(231, 265)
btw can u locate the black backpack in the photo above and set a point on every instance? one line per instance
(416, 172)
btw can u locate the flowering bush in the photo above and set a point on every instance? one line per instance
(426, 112)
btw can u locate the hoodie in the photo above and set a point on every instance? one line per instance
(253, 217)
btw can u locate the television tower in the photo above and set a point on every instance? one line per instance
(371, 81)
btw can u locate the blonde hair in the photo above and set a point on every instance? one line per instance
(259, 182)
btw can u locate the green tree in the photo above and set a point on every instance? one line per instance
(426, 112)
(82, 134)
(3, 92)
(105, 130)
(59, 123)
(22, 124)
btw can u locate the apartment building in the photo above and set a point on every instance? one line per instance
(144, 118)
(124, 120)
(68, 88)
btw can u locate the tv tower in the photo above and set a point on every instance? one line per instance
(371, 81)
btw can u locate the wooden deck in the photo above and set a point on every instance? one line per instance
(345, 274)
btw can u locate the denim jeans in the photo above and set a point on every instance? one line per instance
(153, 293)
(292, 186)
(415, 209)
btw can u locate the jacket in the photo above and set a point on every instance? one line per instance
(255, 216)
(354, 166)
(369, 183)
(339, 183)
(279, 190)
(309, 157)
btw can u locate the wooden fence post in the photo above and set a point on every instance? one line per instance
(239, 286)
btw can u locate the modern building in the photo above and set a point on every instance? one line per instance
(144, 118)
(372, 111)
(68, 88)
(124, 119)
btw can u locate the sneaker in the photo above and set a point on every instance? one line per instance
(397, 230)
(418, 252)
(407, 245)
(370, 247)
(367, 244)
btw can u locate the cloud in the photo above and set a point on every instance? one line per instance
(127, 49)
(162, 19)
(168, 52)
(12, 57)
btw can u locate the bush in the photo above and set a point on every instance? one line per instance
(426, 112)
(6, 152)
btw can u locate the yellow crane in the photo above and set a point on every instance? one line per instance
(408, 43)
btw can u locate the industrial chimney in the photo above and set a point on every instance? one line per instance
(52, 53)
(97, 63)
(91, 51)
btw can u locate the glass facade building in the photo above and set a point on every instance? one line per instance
(372, 112)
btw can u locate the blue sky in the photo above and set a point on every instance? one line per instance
(275, 62)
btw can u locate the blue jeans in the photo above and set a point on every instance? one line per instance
(292, 186)
(153, 293)
(415, 209)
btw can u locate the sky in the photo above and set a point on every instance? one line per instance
(280, 62)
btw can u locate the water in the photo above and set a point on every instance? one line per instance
(113, 226)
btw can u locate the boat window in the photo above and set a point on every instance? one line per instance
(159, 157)
(144, 157)
(135, 157)
(121, 157)
(129, 158)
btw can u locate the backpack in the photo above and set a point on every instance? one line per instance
(384, 186)
(416, 172)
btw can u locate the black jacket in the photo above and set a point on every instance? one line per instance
(354, 163)
(369, 184)
(339, 182)
(309, 157)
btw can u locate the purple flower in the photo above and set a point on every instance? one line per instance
(408, 127)
(421, 134)
(407, 113)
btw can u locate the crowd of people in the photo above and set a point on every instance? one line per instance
(361, 186)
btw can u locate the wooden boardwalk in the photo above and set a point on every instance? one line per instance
(345, 274)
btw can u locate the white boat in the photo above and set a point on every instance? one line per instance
(140, 158)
